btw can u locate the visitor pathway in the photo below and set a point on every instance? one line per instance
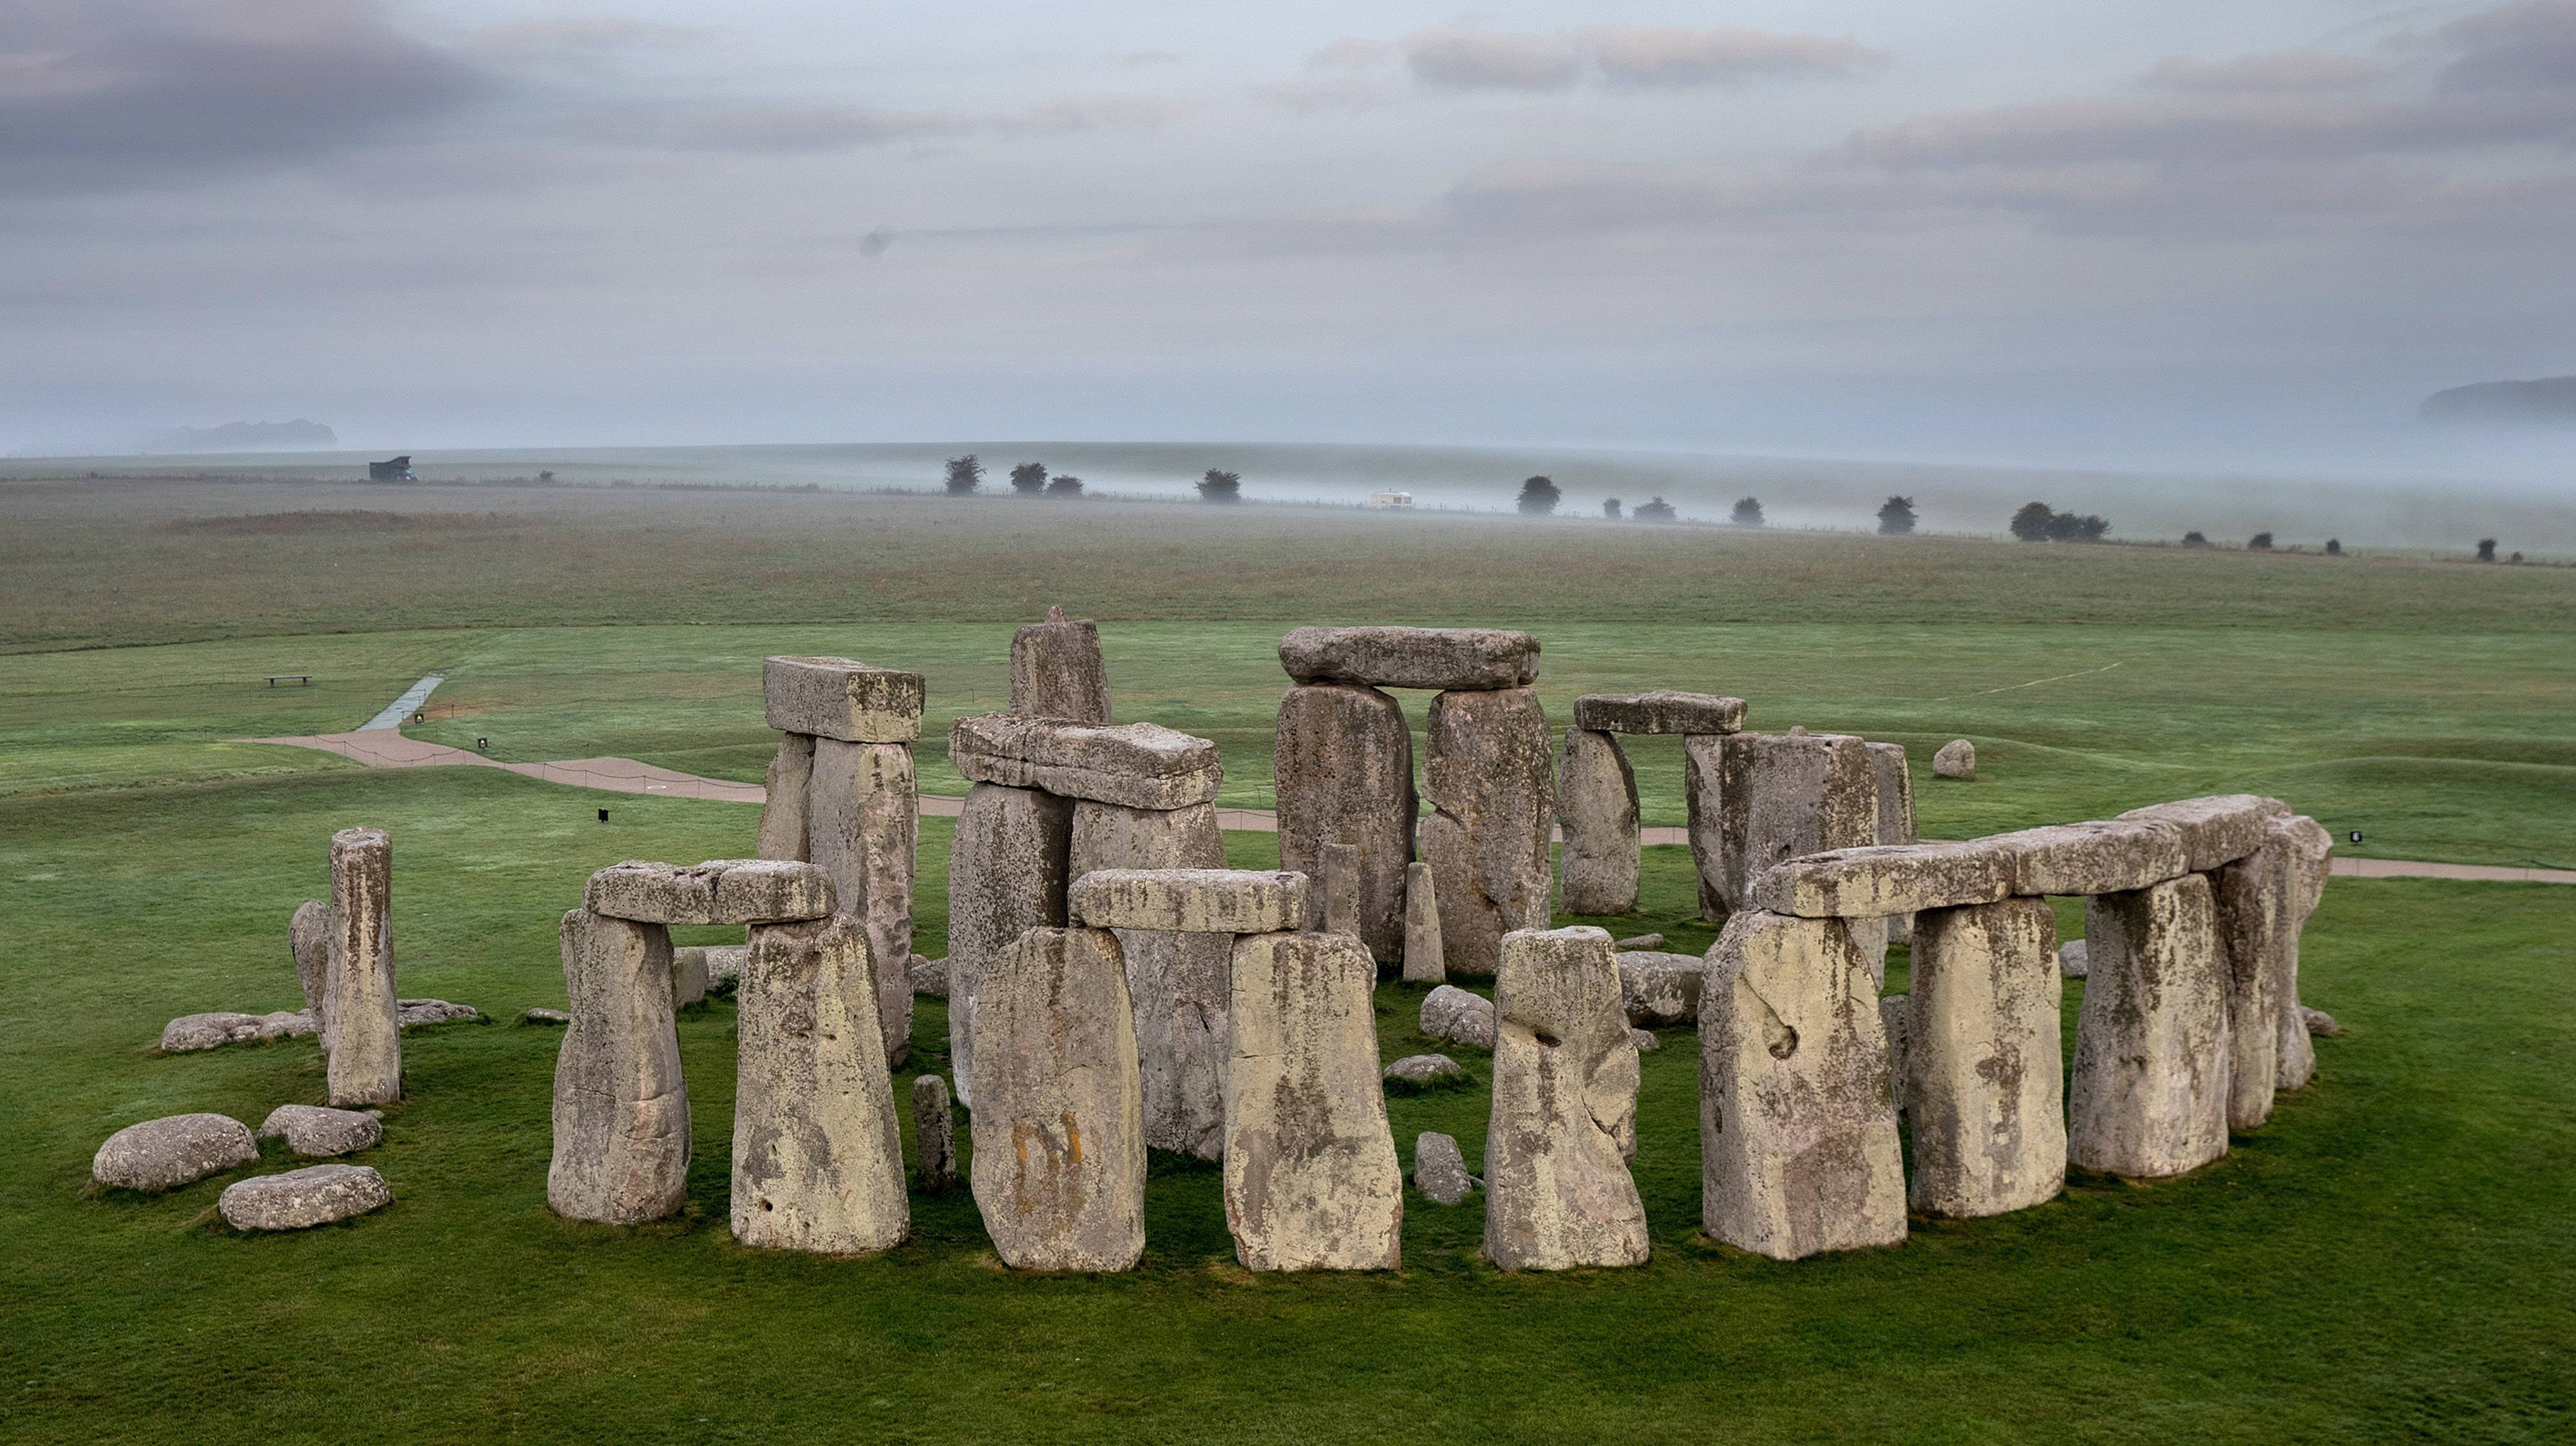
(404, 706)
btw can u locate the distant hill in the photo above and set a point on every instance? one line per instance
(2550, 399)
(248, 437)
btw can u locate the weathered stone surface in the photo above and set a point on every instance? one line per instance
(1704, 759)
(2319, 1022)
(621, 1107)
(1490, 775)
(1007, 868)
(1983, 1087)
(211, 1031)
(1645, 1040)
(1955, 759)
(2148, 1096)
(934, 1135)
(817, 1150)
(1336, 892)
(1059, 1113)
(417, 1013)
(302, 1199)
(929, 976)
(1638, 943)
(2215, 830)
(1896, 1016)
(1453, 1014)
(1564, 1122)
(2258, 937)
(554, 1018)
(1798, 1134)
(1884, 879)
(2090, 858)
(1311, 1176)
(1662, 711)
(719, 891)
(172, 1151)
(1137, 765)
(1176, 981)
(1425, 961)
(1057, 671)
(361, 1023)
(1895, 818)
(2311, 849)
(1343, 761)
(1437, 658)
(1772, 797)
(1440, 1170)
(1660, 989)
(784, 826)
(1596, 806)
(688, 976)
(316, 1133)
(2071, 959)
(865, 813)
(1196, 901)
(1420, 1070)
(308, 938)
(724, 965)
(843, 699)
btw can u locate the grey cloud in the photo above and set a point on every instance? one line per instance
(779, 129)
(1350, 53)
(589, 33)
(1088, 113)
(2528, 46)
(1330, 93)
(2218, 129)
(1464, 59)
(1643, 55)
(2286, 73)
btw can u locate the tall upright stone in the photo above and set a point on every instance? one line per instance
(1312, 1181)
(309, 935)
(1057, 671)
(361, 1009)
(934, 1133)
(863, 815)
(783, 824)
(1007, 870)
(1337, 900)
(1596, 804)
(2311, 852)
(1983, 1084)
(1564, 1118)
(1425, 961)
(1757, 799)
(1490, 776)
(1798, 1140)
(1343, 761)
(1059, 1112)
(2148, 1093)
(621, 1106)
(817, 1151)
(1176, 981)
(1895, 818)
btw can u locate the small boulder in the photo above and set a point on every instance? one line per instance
(2320, 1022)
(176, 1150)
(414, 1013)
(1422, 1071)
(302, 1199)
(1439, 1170)
(211, 1031)
(1956, 759)
(317, 1132)
(1453, 1014)
(1660, 989)
(554, 1017)
(1641, 941)
(1645, 1039)
(2071, 959)
(929, 976)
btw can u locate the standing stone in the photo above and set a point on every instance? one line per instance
(1439, 1170)
(360, 1012)
(1338, 901)
(1956, 759)
(2258, 940)
(1343, 758)
(1896, 1016)
(1490, 776)
(308, 937)
(2311, 849)
(1983, 1087)
(1057, 672)
(1564, 1122)
(1176, 981)
(934, 1134)
(817, 1152)
(1059, 1114)
(1798, 1137)
(864, 816)
(2149, 1090)
(783, 824)
(1895, 820)
(1704, 757)
(621, 1113)
(1774, 797)
(1596, 803)
(688, 977)
(1311, 1176)
(1424, 960)
(1006, 876)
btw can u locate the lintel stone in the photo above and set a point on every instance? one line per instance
(1437, 658)
(2092, 858)
(842, 698)
(1873, 882)
(2216, 830)
(1136, 765)
(720, 891)
(1661, 711)
(1190, 901)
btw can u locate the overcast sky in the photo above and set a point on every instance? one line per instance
(2052, 230)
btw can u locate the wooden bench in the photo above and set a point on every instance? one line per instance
(305, 679)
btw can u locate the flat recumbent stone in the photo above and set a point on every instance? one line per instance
(1662, 711)
(1881, 880)
(175, 1150)
(1437, 658)
(1190, 901)
(841, 698)
(302, 1199)
(1138, 765)
(720, 891)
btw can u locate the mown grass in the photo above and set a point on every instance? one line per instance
(2386, 1260)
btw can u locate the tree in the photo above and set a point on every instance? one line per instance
(965, 475)
(2334, 547)
(1219, 486)
(2259, 542)
(2088, 528)
(1656, 511)
(2486, 549)
(1538, 497)
(1064, 486)
(2031, 523)
(1029, 478)
(1748, 512)
(2195, 538)
(1896, 516)
(1610, 508)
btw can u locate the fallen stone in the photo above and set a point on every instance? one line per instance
(1895, 1015)
(724, 965)
(865, 813)
(172, 1151)
(934, 1135)
(1391, 657)
(1983, 1076)
(418, 1013)
(1884, 879)
(621, 1105)
(1421, 1071)
(1335, 893)
(785, 831)
(211, 1031)
(2148, 1093)
(817, 1150)
(1798, 1137)
(316, 1133)
(553, 1017)
(2071, 959)
(1311, 1176)
(1558, 1195)
(1195, 901)
(719, 891)
(1956, 759)
(2318, 1021)
(1006, 875)
(929, 976)
(2090, 858)
(362, 1028)
(1596, 806)
(308, 938)
(1059, 1114)
(1057, 671)
(1425, 962)
(1659, 989)
(2311, 850)
(1638, 943)
(302, 1199)
(1176, 982)
(1645, 1040)
(843, 699)
(1662, 711)
(688, 976)
(1440, 1170)
(1453, 1014)
(1343, 761)
(1760, 799)
(2215, 830)
(1490, 776)
(1136, 765)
